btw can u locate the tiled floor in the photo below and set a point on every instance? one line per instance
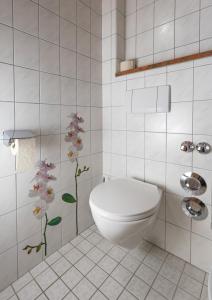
(90, 267)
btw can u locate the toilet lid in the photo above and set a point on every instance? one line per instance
(125, 199)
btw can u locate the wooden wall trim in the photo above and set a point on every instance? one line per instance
(166, 63)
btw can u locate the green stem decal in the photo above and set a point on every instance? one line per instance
(44, 234)
(73, 136)
(46, 194)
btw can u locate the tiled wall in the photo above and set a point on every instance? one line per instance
(164, 29)
(148, 146)
(50, 66)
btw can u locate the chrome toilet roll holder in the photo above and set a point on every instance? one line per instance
(9, 136)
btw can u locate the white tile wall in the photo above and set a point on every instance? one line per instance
(45, 74)
(177, 27)
(149, 144)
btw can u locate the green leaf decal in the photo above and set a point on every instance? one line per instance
(68, 198)
(38, 248)
(55, 221)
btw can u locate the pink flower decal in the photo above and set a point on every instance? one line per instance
(73, 137)
(40, 209)
(46, 194)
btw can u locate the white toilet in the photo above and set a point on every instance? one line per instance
(124, 209)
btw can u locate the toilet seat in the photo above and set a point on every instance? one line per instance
(125, 199)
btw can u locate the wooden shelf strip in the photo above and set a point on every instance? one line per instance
(166, 63)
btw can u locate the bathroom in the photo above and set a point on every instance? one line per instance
(105, 149)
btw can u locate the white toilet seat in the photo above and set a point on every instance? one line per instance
(113, 200)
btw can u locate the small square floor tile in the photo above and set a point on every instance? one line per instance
(97, 276)
(190, 285)
(131, 263)
(21, 282)
(170, 273)
(42, 297)
(121, 275)
(61, 266)
(158, 252)
(53, 258)
(164, 287)
(66, 248)
(153, 295)
(7, 293)
(95, 254)
(30, 292)
(111, 288)
(204, 294)
(84, 290)
(98, 296)
(77, 240)
(146, 274)
(182, 295)
(138, 288)
(84, 265)
(105, 245)
(139, 253)
(72, 277)
(70, 296)
(127, 296)
(153, 262)
(194, 272)
(86, 233)
(57, 291)
(94, 238)
(107, 264)
(117, 253)
(46, 278)
(73, 256)
(175, 262)
(39, 269)
(84, 246)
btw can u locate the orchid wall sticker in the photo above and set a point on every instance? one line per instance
(46, 194)
(76, 145)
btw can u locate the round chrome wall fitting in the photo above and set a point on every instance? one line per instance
(194, 183)
(194, 208)
(203, 147)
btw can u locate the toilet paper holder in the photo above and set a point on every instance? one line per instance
(9, 136)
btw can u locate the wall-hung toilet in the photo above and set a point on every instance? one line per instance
(124, 209)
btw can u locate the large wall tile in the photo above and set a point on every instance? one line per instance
(8, 261)
(8, 237)
(6, 44)
(178, 241)
(48, 54)
(26, 50)
(67, 34)
(6, 83)
(52, 5)
(26, 85)
(202, 84)
(48, 26)
(202, 121)
(26, 16)
(201, 252)
(6, 12)
(8, 190)
(179, 120)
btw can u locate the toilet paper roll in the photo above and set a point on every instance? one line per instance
(24, 150)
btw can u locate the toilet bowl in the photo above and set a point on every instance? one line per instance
(125, 209)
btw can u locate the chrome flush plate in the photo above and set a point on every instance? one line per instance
(194, 183)
(194, 208)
